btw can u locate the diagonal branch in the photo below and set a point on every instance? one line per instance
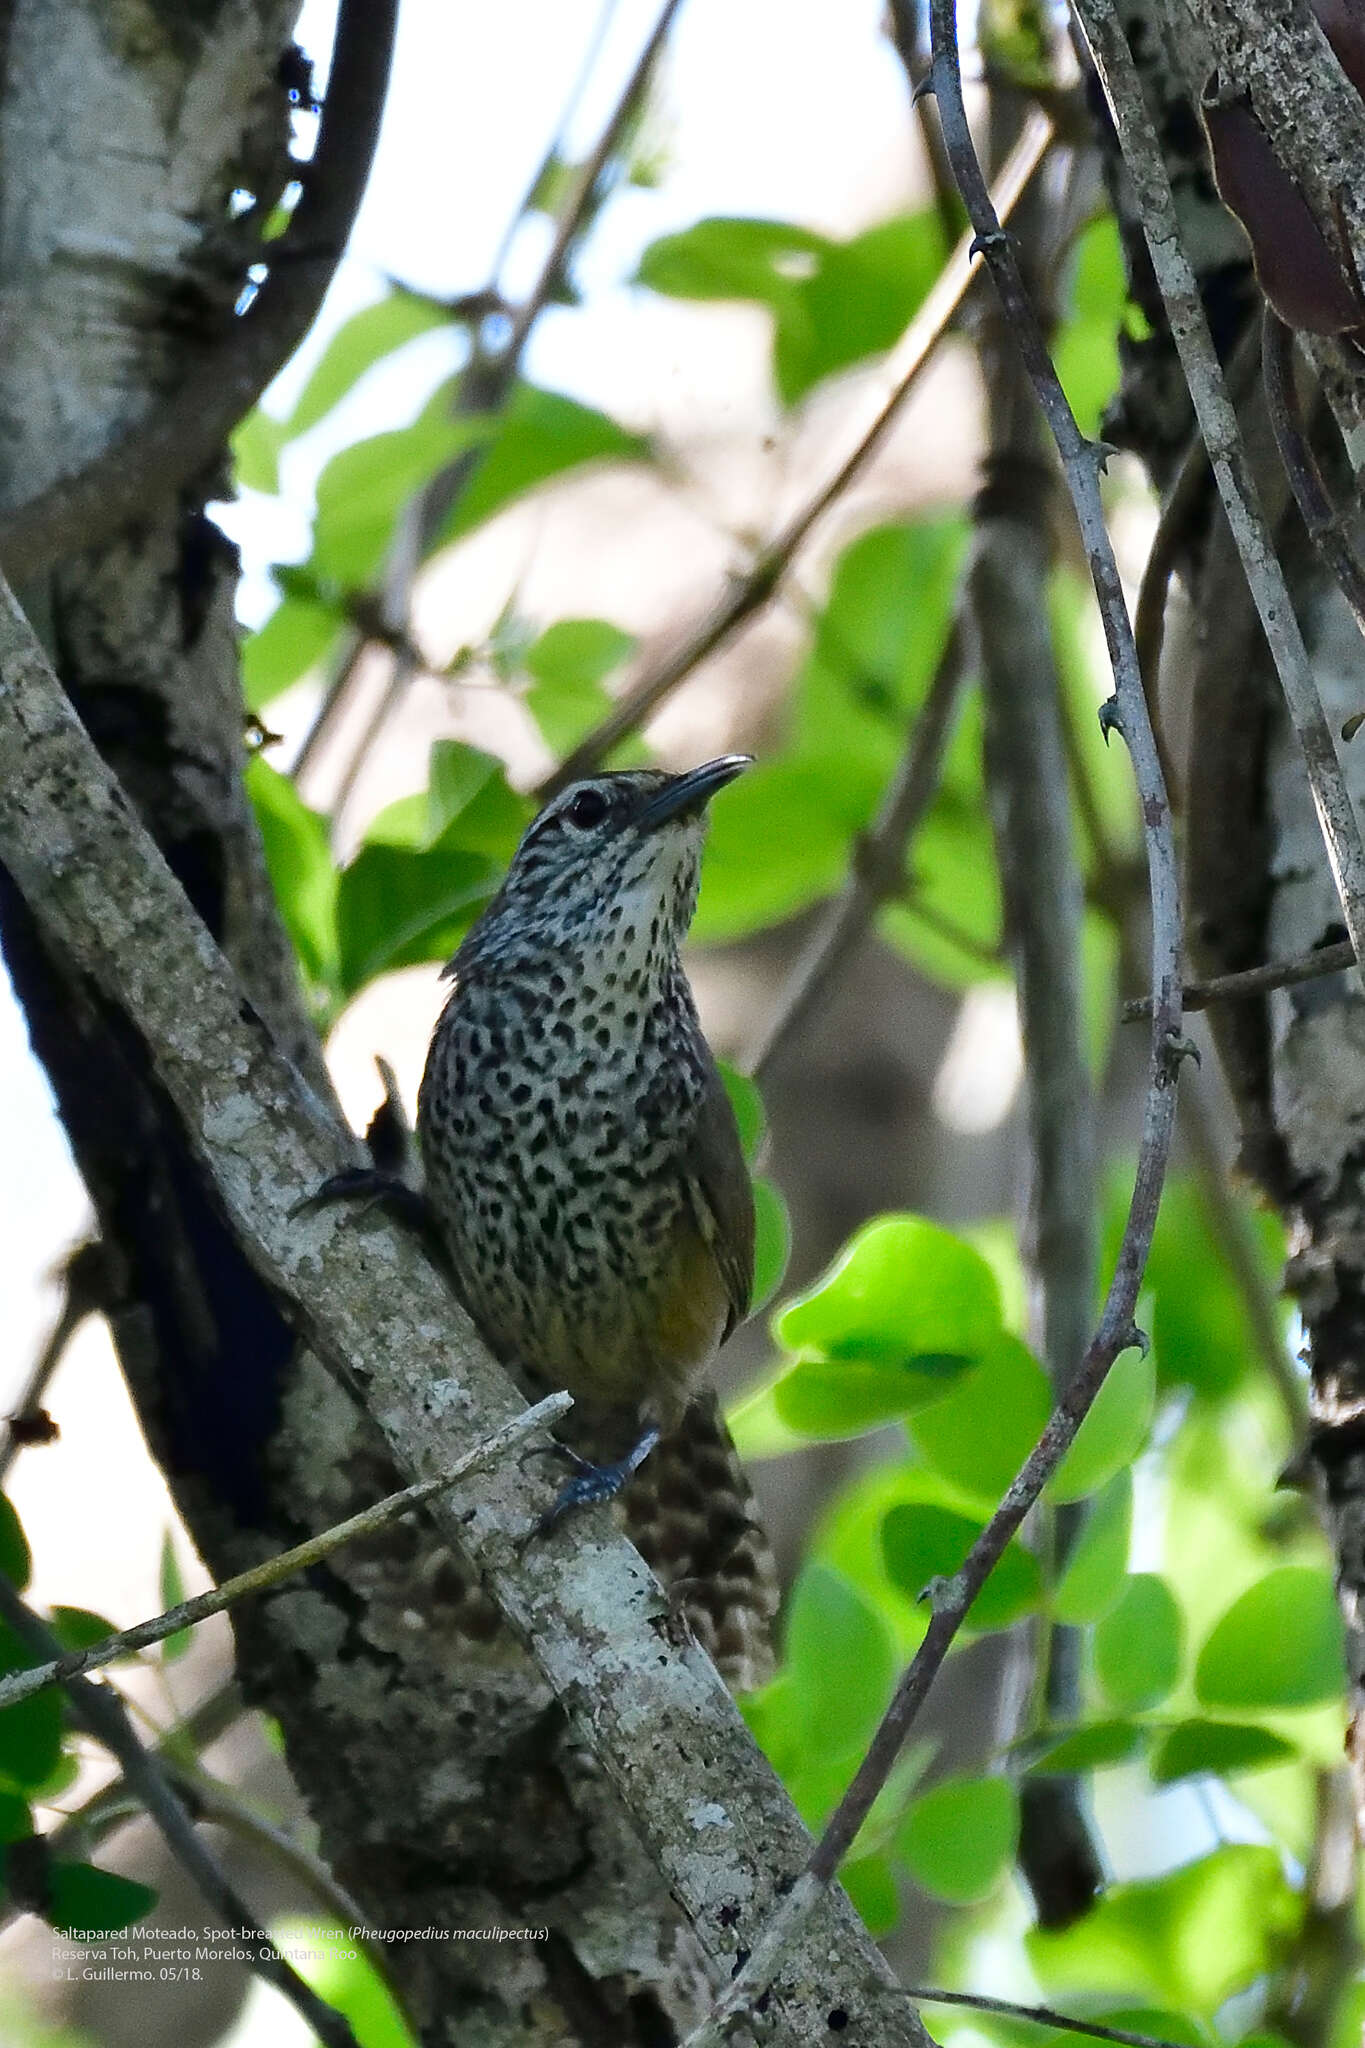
(73, 1663)
(187, 430)
(102, 1714)
(361, 1294)
(1126, 711)
(1227, 456)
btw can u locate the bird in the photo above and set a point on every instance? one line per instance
(583, 1177)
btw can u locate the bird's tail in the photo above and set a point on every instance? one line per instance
(691, 1513)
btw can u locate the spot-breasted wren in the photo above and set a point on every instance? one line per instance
(584, 1175)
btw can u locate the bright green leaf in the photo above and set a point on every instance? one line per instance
(869, 1882)
(364, 488)
(772, 1241)
(297, 635)
(747, 1104)
(1086, 350)
(1113, 1432)
(1279, 1645)
(903, 1291)
(1095, 1747)
(31, 1730)
(537, 436)
(173, 1595)
(1218, 1747)
(576, 651)
(981, 1430)
(924, 1542)
(301, 870)
(1139, 1643)
(959, 1838)
(396, 907)
(76, 1628)
(780, 841)
(362, 341)
(840, 1659)
(1189, 1939)
(256, 442)
(1094, 1575)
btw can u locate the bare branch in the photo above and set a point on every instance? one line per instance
(1227, 455)
(1255, 981)
(1126, 711)
(102, 1713)
(749, 593)
(362, 1295)
(19, 1684)
(187, 430)
(1322, 519)
(878, 871)
(1036, 2015)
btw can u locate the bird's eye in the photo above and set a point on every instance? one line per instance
(588, 808)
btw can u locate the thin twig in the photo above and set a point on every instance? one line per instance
(19, 1684)
(85, 1291)
(1255, 981)
(749, 593)
(1036, 2015)
(1222, 436)
(100, 1711)
(185, 431)
(210, 1800)
(1320, 516)
(878, 868)
(1126, 712)
(482, 387)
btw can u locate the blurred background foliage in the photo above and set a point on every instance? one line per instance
(1208, 1724)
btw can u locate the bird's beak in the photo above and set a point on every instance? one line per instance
(687, 794)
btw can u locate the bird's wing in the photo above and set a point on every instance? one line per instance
(721, 1196)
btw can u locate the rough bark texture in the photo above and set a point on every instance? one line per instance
(123, 130)
(1257, 879)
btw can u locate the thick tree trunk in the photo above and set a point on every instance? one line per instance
(436, 1769)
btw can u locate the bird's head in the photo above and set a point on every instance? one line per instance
(611, 854)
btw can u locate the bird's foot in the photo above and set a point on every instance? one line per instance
(375, 1189)
(592, 1483)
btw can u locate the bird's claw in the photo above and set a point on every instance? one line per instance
(592, 1483)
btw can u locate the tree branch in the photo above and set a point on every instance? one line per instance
(878, 869)
(102, 1714)
(361, 1294)
(1320, 516)
(1255, 981)
(181, 435)
(1222, 437)
(72, 1663)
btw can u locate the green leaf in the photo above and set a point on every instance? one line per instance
(1279, 1645)
(298, 635)
(1113, 1432)
(747, 1104)
(577, 651)
(1095, 1747)
(1138, 1645)
(959, 1838)
(923, 1542)
(256, 444)
(344, 1978)
(358, 344)
(772, 1241)
(98, 1901)
(904, 1291)
(363, 489)
(397, 906)
(470, 804)
(1189, 1939)
(301, 872)
(1220, 1748)
(981, 1430)
(1201, 1333)
(833, 303)
(76, 1628)
(1094, 1576)
(31, 1730)
(538, 435)
(840, 1660)
(16, 1560)
(173, 1595)
(881, 634)
(780, 841)
(906, 1307)
(871, 1885)
(1086, 351)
